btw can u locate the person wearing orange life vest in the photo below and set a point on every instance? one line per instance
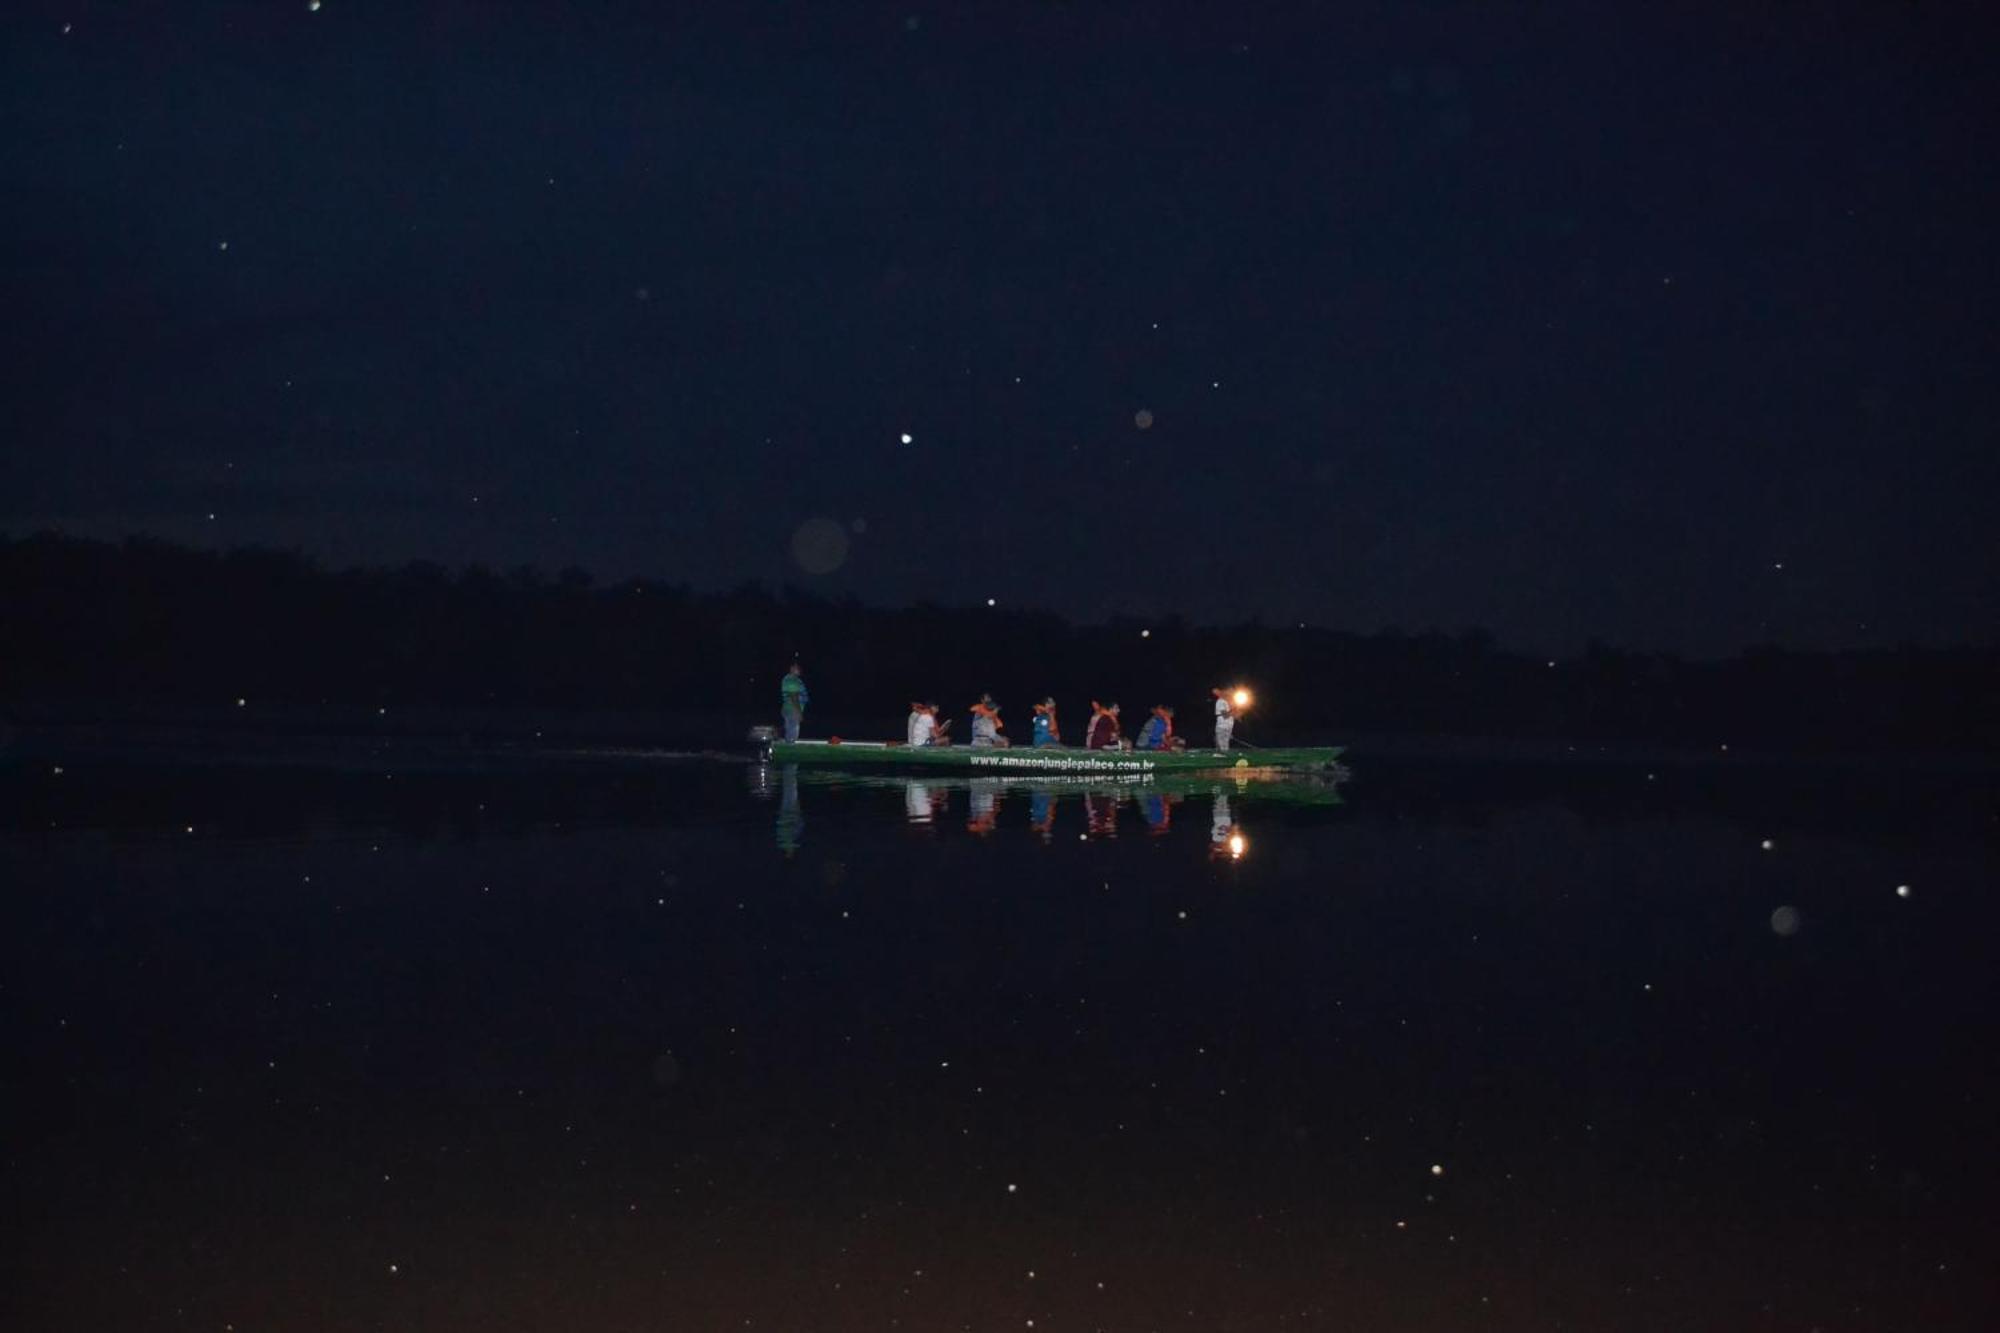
(1046, 731)
(1103, 730)
(986, 723)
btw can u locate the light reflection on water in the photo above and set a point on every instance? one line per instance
(1051, 803)
(1477, 1032)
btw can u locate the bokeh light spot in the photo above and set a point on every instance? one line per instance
(819, 546)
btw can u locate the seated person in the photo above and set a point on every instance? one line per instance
(1046, 731)
(1159, 730)
(986, 723)
(923, 725)
(1103, 733)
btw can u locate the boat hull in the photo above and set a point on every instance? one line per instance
(1048, 759)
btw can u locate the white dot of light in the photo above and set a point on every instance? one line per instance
(1767, 844)
(991, 602)
(1902, 890)
(907, 438)
(313, 6)
(1012, 1188)
(1436, 1169)
(1785, 921)
(1145, 634)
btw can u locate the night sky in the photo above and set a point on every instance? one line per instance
(1674, 330)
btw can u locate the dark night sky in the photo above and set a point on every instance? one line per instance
(1674, 330)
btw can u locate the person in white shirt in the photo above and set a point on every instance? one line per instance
(923, 725)
(1225, 718)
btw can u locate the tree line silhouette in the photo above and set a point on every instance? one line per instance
(146, 623)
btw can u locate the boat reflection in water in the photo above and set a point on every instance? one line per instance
(923, 803)
(1225, 840)
(928, 802)
(766, 782)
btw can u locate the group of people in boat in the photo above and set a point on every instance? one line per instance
(1105, 731)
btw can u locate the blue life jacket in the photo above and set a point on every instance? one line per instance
(1155, 734)
(1043, 736)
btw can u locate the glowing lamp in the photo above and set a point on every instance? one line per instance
(1238, 844)
(1241, 699)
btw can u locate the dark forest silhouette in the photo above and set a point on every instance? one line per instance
(146, 623)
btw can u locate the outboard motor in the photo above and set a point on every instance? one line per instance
(761, 740)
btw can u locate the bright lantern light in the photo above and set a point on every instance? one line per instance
(1241, 698)
(1238, 844)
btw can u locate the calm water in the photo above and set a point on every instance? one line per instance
(626, 1044)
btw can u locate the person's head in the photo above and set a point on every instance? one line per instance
(794, 670)
(1113, 710)
(1217, 691)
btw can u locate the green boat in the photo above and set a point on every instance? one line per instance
(982, 759)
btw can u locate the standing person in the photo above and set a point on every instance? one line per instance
(792, 702)
(1225, 719)
(1046, 731)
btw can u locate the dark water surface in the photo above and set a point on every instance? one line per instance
(630, 1044)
